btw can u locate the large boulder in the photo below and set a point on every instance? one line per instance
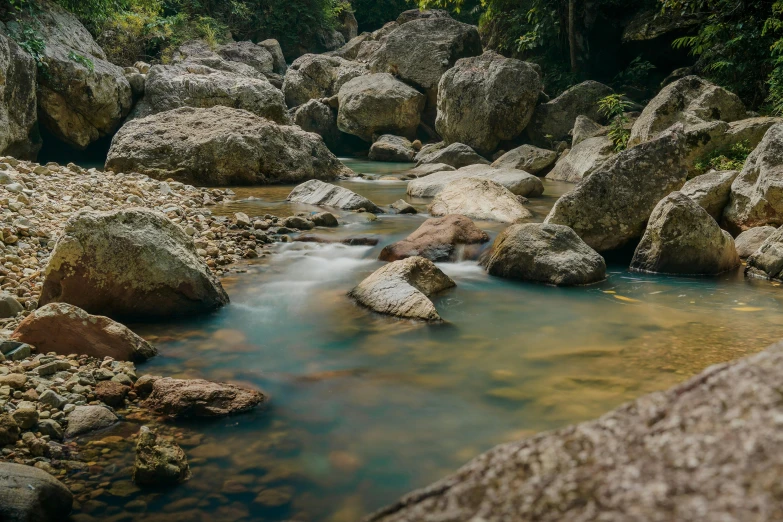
(131, 263)
(528, 158)
(220, 146)
(314, 76)
(315, 116)
(585, 128)
(392, 148)
(457, 155)
(757, 193)
(767, 261)
(402, 289)
(480, 199)
(65, 329)
(322, 194)
(711, 191)
(520, 183)
(159, 462)
(708, 449)
(751, 240)
(690, 101)
(683, 239)
(86, 419)
(420, 51)
(379, 104)
(421, 14)
(486, 99)
(279, 66)
(29, 494)
(178, 398)
(19, 136)
(557, 117)
(81, 96)
(256, 56)
(544, 253)
(582, 160)
(239, 58)
(191, 85)
(449, 238)
(611, 206)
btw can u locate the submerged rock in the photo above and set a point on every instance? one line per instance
(751, 240)
(29, 494)
(199, 398)
(129, 263)
(316, 192)
(456, 155)
(392, 148)
(84, 419)
(480, 199)
(220, 146)
(486, 99)
(450, 238)
(711, 191)
(520, 183)
(66, 329)
(159, 463)
(402, 289)
(683, 239)
(19, 136)
(556, 118)
(582, 160)
(544, 253)
(528, 158)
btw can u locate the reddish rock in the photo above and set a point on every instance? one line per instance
(111, 393)
(439, 239)
(200, 398)
(66, 329)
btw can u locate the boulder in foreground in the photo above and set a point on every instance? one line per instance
(318, 193)
(481, 199)
(551, 254)
(682, 454)
(683, 239)
(751, 240)
(402, 289)
(449, 238)
(220, 146)
(66, 329)
(85, 419)
(199, 398)
(131, 263)
(29, 494)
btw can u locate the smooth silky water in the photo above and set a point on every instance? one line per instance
(364, 408)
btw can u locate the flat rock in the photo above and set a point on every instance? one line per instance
(450, 238)
(199, 398)
(457, 155)
(29, 494)
(528, 158)
(318, 193)
(520, 183)
(480, 199)
(582, 160)
(84, 419)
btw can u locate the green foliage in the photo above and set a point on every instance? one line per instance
(82, 60)
(373, 14)
(614, 108)
(29, 39)
(635, 76)
(731, 158)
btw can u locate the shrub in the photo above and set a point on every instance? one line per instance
(730, 158)
(614, 107)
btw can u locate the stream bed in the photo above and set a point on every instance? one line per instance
(364, 408)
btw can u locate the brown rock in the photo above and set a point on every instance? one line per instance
(200, 398)
(66, 329)
(111, 393)
(439, 239)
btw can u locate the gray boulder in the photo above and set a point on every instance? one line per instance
(132, 263)
(256, 56)
(457, 155)
(611, 207)
(520, 183)
(585, 128)
(322, 194)
(428, 168)
(392, 148)
(84, 419)
(348, 26)
(556, 118)
(220, 146)
(480, 199)
(544, 253)
(430, 148)
(486, 99)
(173, 86)
(711, 191)
(272, 46)
(690, 101)
(683, 239)
(751, 240)
(9, 306)
(421, 14)
(379, 104)
(528, 158)
(582, 160)
(239, 58)
(767, 261)
(402, 289)
(315, 76)
(19, 135)
(29, 494)
(315, 116)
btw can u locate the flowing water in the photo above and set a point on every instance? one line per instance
(365, 408)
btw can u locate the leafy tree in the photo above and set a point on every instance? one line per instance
(374, 14)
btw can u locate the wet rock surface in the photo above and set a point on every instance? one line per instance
(450, 238)
(199, 398)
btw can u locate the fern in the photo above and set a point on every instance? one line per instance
(614, 108)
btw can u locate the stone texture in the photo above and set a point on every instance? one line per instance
(711, 191)
(486, 99)
(767, 261)
(9, 306)
(29, 494)
(456, 155)
(315, 116)
(379, 104)
(611, 207)
(520, 183)
(582, 160)
(392, 148)
(199, 398)
(428, 168)
(544, 253)
(318, 193)
(556, 118)
(272, 46)
(66, 329)
(159, 463)
(480, 199)
(402, 289)
(683, 239)
(220, 146)
(529, 158)
(585, 128)
(449, 238)
(129, 263)
(9, 430)
(239, 58)
(421, 14)
(706, 450)
(751, 240)
(314, 76)
(111, 393)
(19, 136)
(84, 419)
